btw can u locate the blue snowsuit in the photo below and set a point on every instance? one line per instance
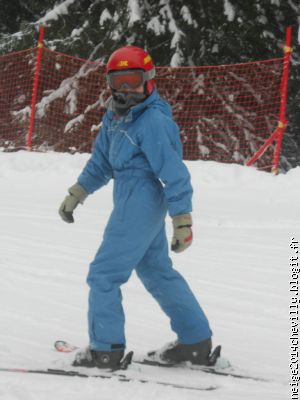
(142, 152)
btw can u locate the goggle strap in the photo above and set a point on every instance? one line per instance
(149, 74)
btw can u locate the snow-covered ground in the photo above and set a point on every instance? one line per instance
(238, 267)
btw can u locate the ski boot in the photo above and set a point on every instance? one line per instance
(175, 353)
(100, 359)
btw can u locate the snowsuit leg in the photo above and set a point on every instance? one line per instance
(135, 238)
(139, 212)
(172, 293)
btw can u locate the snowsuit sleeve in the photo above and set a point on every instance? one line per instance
(97, 171)
(161, 144)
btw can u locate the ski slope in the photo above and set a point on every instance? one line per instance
(238, 266)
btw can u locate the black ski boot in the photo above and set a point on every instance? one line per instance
(174, 353)
(101, 359)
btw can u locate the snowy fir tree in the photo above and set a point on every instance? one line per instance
(175, 32)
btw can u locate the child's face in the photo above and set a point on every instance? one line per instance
(139, 89)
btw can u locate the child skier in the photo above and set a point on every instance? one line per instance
(139, 147)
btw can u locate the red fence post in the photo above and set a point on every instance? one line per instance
(35, 86)
(282, 113)
(277, 135)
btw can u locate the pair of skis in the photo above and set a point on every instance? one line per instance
(121, 375)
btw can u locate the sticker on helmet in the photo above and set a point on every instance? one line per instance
(122, 63)
(147, 59)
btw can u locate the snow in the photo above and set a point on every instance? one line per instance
(229, 10)
(61, 9)
(167, 13)
(238, 266)
(76, 32)
(68, 88)
(156, 26)
(186, 15)
(134, 12)
(105, 15)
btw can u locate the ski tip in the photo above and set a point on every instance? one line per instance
(64, 347)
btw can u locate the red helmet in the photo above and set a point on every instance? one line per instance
(132, 57)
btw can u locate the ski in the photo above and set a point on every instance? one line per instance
(209, 370)
(65, 347)
(121, 377)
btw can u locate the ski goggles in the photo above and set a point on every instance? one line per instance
(130, 78)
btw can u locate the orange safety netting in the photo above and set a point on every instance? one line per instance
(225, 113)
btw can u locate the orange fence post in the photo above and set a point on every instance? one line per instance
(277, 135)
(282, 113)
(35, 86)
(263, 148)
